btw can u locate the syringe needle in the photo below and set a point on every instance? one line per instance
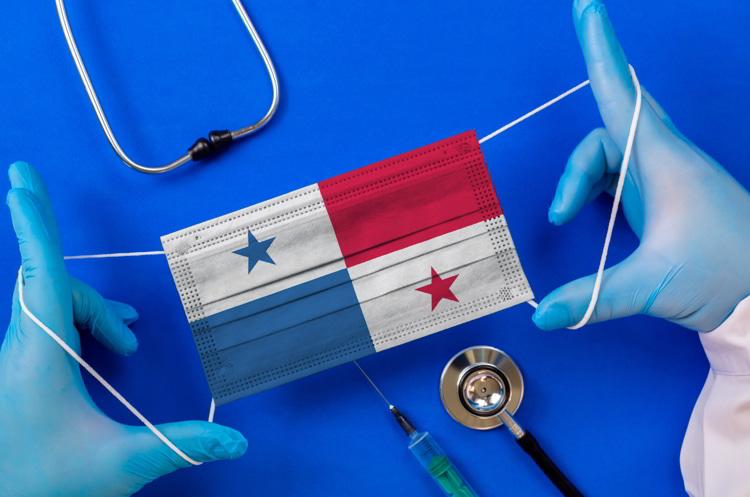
(373, 385)
(427, 451)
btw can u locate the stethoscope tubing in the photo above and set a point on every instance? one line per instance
(203, 148)
(528, 442)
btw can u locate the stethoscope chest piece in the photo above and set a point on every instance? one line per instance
(481, 388)
(478, 384)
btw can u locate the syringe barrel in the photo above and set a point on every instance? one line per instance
(436, 462)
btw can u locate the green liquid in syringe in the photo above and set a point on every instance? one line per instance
(449, 479)
(436, 462)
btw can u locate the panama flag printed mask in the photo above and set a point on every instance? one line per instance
(359, 263)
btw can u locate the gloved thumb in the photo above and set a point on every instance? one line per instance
(200, 440)
(607, 66)
(624, 292)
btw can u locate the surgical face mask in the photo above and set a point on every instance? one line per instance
(350, 266)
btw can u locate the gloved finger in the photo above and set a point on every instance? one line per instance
(588, 173)
(607, 66)
(34, 224)
(200, 440)
(107, 320)
(40, 254)
(22, 175)
(45, 287)
(627, 288)
(46, 283)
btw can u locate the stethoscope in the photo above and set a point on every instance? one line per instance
(481, 388)
(203, 148)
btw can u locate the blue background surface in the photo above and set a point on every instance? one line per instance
(362, 81)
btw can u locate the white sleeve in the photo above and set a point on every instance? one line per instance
(715, 456)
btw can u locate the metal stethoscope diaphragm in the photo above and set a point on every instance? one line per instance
(481, 388)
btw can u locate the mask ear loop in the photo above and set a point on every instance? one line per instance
(85, 365)
(72, 353)
(615, 203)
(618, 191)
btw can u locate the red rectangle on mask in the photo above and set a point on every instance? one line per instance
(410, 198)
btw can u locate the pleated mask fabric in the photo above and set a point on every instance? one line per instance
(350, 266)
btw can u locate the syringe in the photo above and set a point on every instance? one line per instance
(429, 454)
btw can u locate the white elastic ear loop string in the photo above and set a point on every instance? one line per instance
(212, 407)
(85, 365)
(615, 203)
(112, 256)
(618, 191)
(212, 411)
(531, 113)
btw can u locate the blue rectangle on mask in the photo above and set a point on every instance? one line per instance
(283, 336)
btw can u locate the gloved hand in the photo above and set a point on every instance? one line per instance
(692, 266)
(53, 439)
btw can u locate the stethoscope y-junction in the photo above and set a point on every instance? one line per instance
(203, 148)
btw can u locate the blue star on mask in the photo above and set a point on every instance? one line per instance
(256, 251)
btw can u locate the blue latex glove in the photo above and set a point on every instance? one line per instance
(53, 439)
(692, 266)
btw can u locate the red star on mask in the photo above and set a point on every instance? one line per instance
(439, 288)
